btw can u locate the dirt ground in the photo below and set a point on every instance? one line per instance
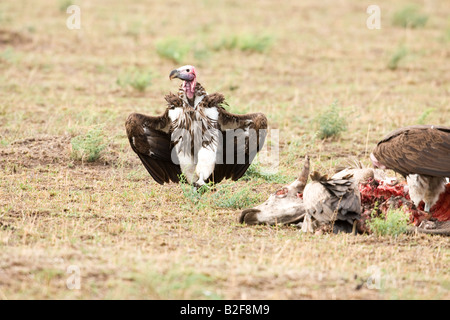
(73, 229)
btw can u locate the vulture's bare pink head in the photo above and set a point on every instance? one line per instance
(189, 77)
(376, 163)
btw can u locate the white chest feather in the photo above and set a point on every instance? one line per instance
(174, 114)
(197, 136)
(212, 113)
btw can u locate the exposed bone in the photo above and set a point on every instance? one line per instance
(359, 175)
(307, 225)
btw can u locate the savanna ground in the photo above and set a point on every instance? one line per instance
(106, 223)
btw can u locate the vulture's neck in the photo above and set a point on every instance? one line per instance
(191, 95)
(189, 89)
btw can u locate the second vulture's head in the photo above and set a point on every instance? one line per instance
(376, 163)
(188, 75)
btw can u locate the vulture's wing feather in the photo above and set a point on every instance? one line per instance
(150, 138)
(242, 138)
(240, 144)
(416, 150)
(344, 199)
(329, 200)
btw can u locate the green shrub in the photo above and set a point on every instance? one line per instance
(245, 42)
(446, 35)
(230, 198)
(136, 79)
(9, 55)
(395, 222)
(218, 196)
(201, 54)
(255, 43)
(330, 123)
(396, 57)
(254, 173)
(424, 116)
(227, 43)
(410, 17)
(88, 147)
(64, 4)
(172, 49)
(194, 195)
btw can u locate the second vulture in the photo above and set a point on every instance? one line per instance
(196, 136)
(422, 155)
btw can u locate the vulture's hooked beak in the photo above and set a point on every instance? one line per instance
(174, 74)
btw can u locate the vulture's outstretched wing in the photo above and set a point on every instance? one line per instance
(242, 138)
(333, 200)
(150, 138)
(416, 150)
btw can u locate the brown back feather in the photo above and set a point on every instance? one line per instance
(173, 101)
(416, 150)
(213, 100)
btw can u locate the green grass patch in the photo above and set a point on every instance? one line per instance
(410, 17)
(256, 43)
(222, 195)
(394, 223)
(397, 57)
(88, 147)
(255, 173)
(229, 197)
(201, 54)
(227, 43)
(446, 35)
(64, 4)
(173, 49)
(424, 116)
(245, 42)
(330, 123)
(9, 55)
(177, 283)
(138, 80)
(193, 195)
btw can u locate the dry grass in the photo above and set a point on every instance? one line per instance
(132, 238)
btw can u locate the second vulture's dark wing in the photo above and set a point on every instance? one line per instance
(150, 138)
(416, 150)
(242, 138)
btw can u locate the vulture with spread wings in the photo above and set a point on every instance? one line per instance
(422, 155)
(196, 136)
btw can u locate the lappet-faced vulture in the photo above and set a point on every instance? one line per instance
(422, 155)
(196, 136)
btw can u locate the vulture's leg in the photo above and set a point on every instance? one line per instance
(206, 160)
(427, 207)
(205, 165)
(187, 167)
